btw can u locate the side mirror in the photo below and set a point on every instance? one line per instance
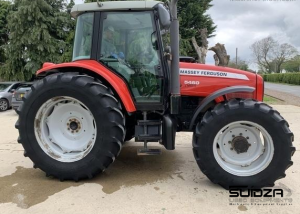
(164, 16)
(12, 90)
(154, 40)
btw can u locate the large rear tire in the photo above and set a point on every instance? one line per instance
(243, 143)
(129, 133)
(71, 126)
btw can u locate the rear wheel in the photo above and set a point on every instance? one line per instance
(3, 104)
(243, 143)
(71, 126)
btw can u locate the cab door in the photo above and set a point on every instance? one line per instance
(128, 46)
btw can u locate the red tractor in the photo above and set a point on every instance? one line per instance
(123, 83)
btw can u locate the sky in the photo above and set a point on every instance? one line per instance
(242, 22)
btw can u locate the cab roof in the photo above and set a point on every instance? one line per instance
(113, 6)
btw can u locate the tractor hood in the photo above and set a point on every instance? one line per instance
(202, 80)
(202, 70)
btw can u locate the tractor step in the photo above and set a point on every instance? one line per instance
(148, 130)
(149, 138)
(148, 152)
(149, 122)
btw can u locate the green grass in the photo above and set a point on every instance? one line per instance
(270, 100)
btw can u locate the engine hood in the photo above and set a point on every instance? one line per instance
(194, 69)
(202, 80)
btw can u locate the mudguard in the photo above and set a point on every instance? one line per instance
(114, 80)
(215, 95)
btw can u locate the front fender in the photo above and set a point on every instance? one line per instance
(215, 95)
(116, 82)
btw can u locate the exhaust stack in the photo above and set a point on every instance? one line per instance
(175, 77)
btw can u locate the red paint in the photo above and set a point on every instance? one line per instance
(205, 85)
(208, 85)
(116, 82)
(260, 88)
(48, 64)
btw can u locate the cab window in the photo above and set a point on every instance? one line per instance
(83, 37)
(129, 47)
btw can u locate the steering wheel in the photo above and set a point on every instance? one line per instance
(153, 89)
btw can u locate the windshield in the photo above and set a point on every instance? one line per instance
(83, 37)
(4, 86)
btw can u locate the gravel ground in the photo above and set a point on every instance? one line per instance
(284, 98)
(167, 184)
(291, 89)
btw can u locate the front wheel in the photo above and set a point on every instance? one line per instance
(243, 143)
(71, 126)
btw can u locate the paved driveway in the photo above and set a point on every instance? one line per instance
(290, 89)
(170, 183)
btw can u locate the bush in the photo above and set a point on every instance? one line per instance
(290, 78)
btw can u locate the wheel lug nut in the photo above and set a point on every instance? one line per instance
(249, 144)
(241, 134)
(229, 141)
(233, 135)
(68, 128)
(247, 138)
(231, 148)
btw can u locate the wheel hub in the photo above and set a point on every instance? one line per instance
(65, 129)
(243, 148)
(240, 144)
(74, 125)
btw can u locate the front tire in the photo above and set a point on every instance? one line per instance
(71, 126)
(243, 143)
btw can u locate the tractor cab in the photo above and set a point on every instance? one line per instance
(128, 42)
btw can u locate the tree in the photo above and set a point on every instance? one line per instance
(4, 5)
(283, 53)
(38, 30)
(70, 28)
(292, 65)
(201, 50)
(220, 56)
(270, 55)
(192, 17)
(241, 64)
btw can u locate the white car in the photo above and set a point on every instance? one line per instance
(6, 91)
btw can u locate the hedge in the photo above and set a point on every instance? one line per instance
(290, 78)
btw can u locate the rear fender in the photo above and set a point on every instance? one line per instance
(89, 67)
(205, 102)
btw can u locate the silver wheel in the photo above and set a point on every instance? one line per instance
(65, 129)
(3, 105)
(243, 148)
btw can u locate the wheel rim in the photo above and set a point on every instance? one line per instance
(243, 148)
(65, 129)
(3, 105)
